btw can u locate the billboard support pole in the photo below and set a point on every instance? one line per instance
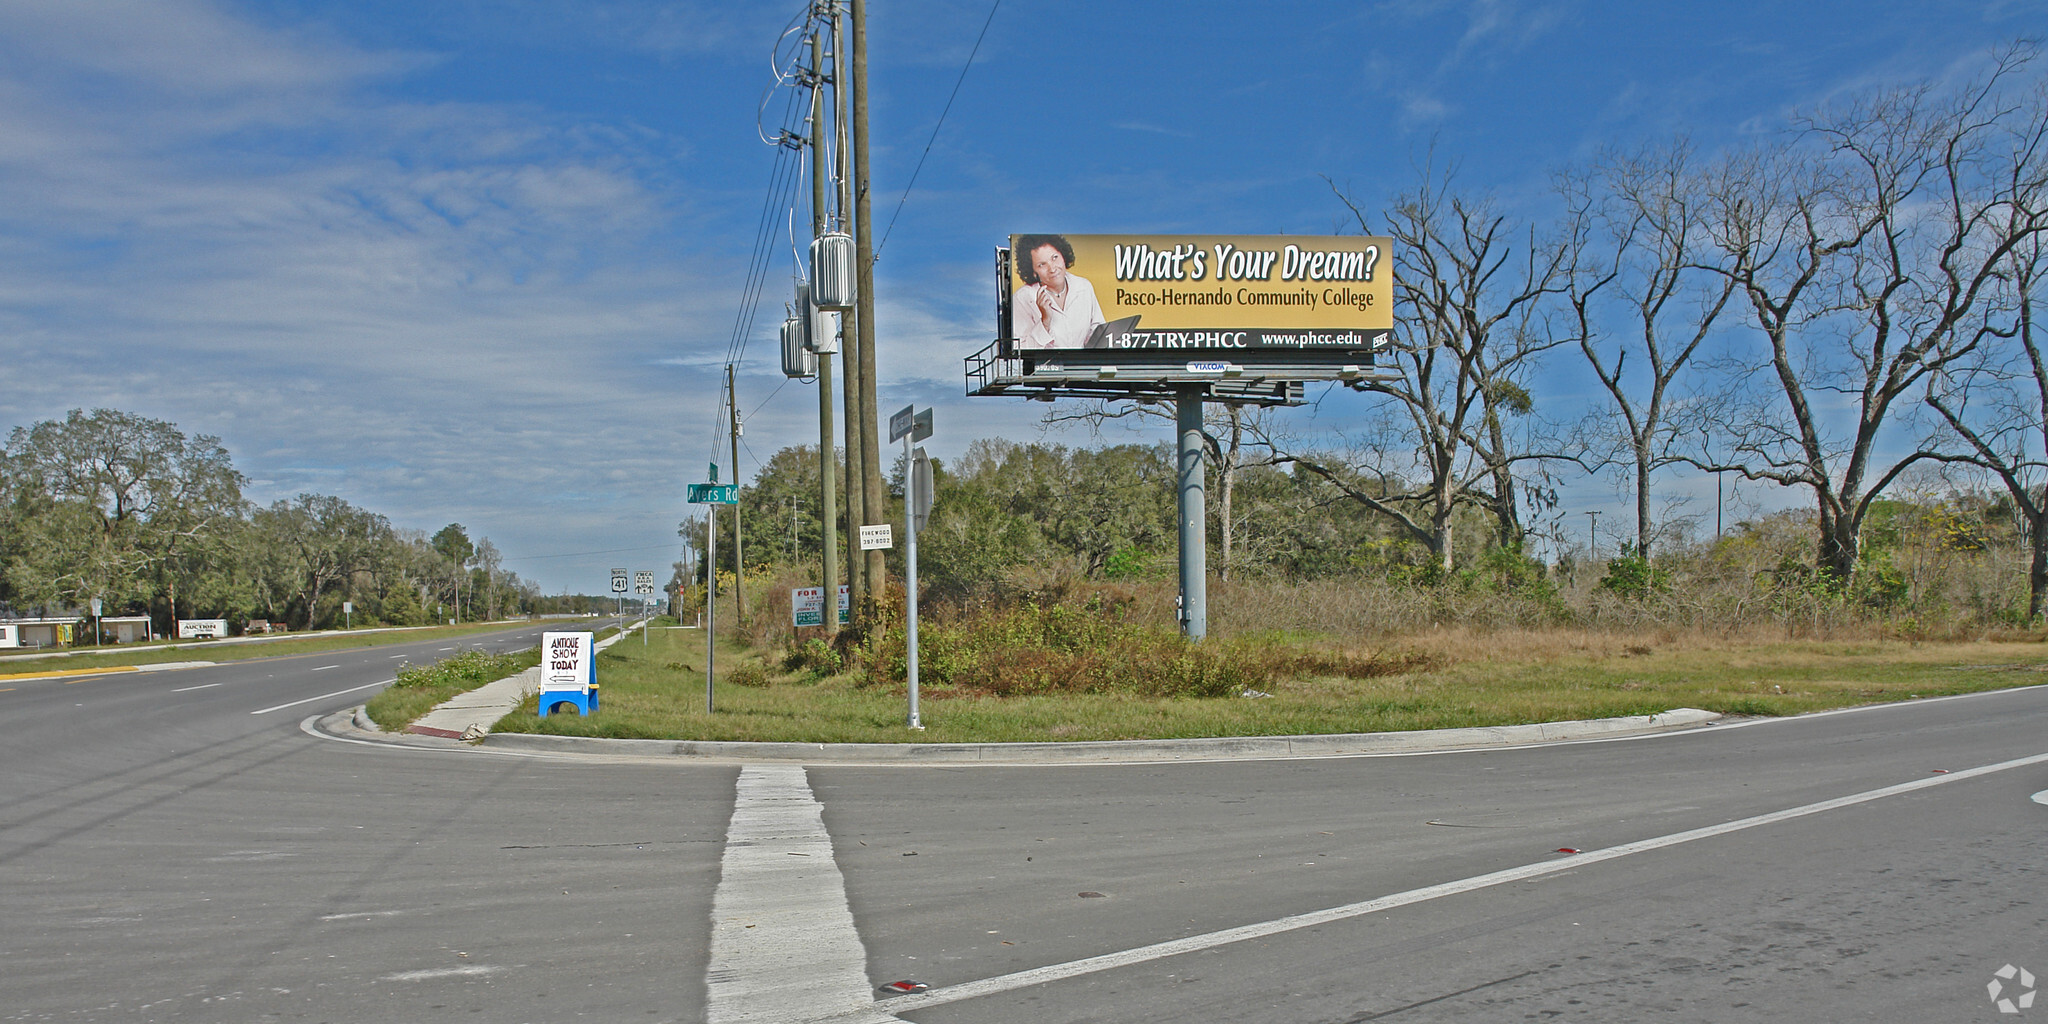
(1194, 539)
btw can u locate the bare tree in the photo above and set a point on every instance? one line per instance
(1638, 216)
(1470, 305)
(1997, 407)
(1866, 249)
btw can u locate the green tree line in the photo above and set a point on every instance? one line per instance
(1013, 519)
(132, 511)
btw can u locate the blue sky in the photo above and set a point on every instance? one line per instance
(480, 262)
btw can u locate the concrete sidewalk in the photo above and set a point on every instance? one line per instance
(471, 715)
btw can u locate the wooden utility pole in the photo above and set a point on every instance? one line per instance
(855, 331)
(864, 258)
(739, 593)
(828, 465)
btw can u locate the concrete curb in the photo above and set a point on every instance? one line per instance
(353, 725)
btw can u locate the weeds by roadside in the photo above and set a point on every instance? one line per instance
(420, 687)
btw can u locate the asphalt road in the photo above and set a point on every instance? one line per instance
(172, 849)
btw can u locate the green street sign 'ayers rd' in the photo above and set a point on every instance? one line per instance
(714, 494)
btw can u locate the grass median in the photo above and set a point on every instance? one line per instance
(1444, 679)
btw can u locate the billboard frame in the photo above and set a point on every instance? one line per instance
(1186, 377)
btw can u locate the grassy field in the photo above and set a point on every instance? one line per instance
(1462, 678)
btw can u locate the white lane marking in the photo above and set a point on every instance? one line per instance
(360, 915)
(2041, 797)
(447, 648)
(783, 945)
(1559, 865)
(324, 668)
(442, 972)
(202, 686)
(323, 696)
(395, 657)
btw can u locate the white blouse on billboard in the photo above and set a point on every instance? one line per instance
(1072, 319)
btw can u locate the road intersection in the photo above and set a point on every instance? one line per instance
(196, 845)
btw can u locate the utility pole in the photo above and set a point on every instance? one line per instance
(828, 463)
(739, 593)
(864, 259)
(856, 413)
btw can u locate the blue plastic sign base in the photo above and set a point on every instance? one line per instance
(584, 701)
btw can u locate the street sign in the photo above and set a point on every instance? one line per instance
(643, 583)
(618, 581)
(921, 426)
(920, 489)
(95, 606)
(900, 423)
(714, 494)
(877, 538)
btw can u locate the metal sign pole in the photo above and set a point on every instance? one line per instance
(710, 607)
(910, 575)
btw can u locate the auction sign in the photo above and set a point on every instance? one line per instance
(1257, 296)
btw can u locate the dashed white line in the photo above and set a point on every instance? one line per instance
(323, 696)
(2041, 797)
(202, 686)
(324, 668)
(442, 972)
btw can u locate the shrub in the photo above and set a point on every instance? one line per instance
(1632, 575)
(473, 668)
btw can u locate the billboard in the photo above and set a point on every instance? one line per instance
(1251, 296)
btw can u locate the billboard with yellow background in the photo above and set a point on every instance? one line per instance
(1258, 295)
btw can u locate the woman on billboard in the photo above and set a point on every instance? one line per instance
(1054, 309)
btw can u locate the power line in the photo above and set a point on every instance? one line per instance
(581, 554)
(935, 128)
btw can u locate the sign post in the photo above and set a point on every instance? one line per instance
(910, 425)
(711, 494)
(643, 585)
(619, 589)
